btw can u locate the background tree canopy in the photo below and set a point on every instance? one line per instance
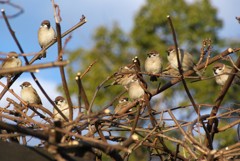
(113, 48)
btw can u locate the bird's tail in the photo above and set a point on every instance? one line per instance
(44, 54)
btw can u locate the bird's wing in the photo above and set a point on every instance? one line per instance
(35, 92)
(6, 62)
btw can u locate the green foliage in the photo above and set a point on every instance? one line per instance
(111, 51)
(113, 48)
(192, 25)
(230, 135)
(151, 31)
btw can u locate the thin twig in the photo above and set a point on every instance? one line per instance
(77, 78)
(221, 97)
(33, 67)
(21, 10)
(183, 132)
(15, 128)
(9, 84)
(59, 42)
(180, 67)
(199, 67)
(88, 69)
(79, 24)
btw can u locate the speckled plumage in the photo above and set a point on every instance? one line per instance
(153, 64)
(29, 94)
(11, 61)
(135, 90)
(45, 34)
(185, 58)
(221, 71)
(62, 104)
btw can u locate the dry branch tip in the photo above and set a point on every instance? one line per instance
(230, 50)
(106, 111)
(135, 137)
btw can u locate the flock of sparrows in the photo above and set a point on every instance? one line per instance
(127, 76)
(28, 94)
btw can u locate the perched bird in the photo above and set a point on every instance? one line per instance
(185, 58)
(29, 94)
(135, 90)
(153, 64)
(45, 34)
(136, 64)
(11, 61)
(62, 104)
(169, 70)
(122, 103)
(123, 76)
(222, 71)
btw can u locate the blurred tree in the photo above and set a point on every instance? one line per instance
(193, 23)
(113, 48)
(151, 31)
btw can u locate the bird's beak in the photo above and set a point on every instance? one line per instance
(214, 71)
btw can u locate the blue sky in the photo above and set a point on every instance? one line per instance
(97, 12)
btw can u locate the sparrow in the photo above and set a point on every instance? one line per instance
(29, 94)
(153, 64)
(135, 90)
(170, 71)
(11, 61)
(122, 103)
(136, 64)
(62, 104)
(45, 34)
(123, 76)
(185, 58)
(221, 73)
